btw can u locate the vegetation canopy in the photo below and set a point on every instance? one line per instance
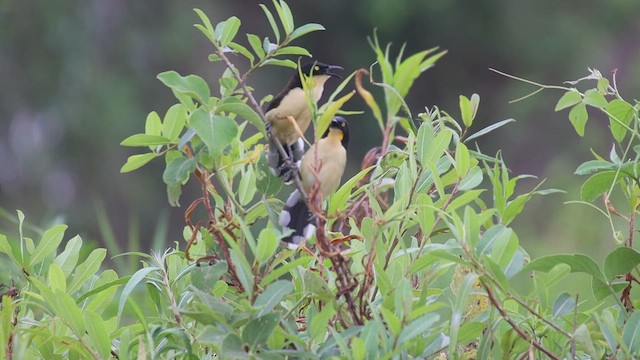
(413, 257)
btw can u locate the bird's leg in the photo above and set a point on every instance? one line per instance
(289, 165)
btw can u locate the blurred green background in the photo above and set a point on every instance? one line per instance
(79, 76)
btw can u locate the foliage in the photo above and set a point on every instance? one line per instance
(413, 256)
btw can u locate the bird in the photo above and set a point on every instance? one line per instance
(291, 101)
(331, 153)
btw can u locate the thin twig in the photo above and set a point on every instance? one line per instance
(515, 326)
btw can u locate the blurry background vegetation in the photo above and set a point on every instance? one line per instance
(78, 76)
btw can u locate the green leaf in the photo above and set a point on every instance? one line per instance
(87, 269)
(174, 121)
(578, 117)
(137, 161)
(178, 170)
(577, 262)
(593, 98)
(272, 295)
(243, 270)
(48, 244)
(69, 311)
(56, 277)
(284, 13)
(256, 45)
(242, 50)
(191, 85)
(258, 330)
(494, 235)
(216, 131)
(292, 50)
(229, 31)
(145, 140)
(621, 114)
(466, 111)
(631, 334)
(5, 247)
(153, 124)
(280, 62)
(597, 185)
(305, 29)
(267, 244)
(592, 166)
(68, 259)
(471, 180)
(339, 199)
(131, 284)
(488, 129)
(569, 99)
(207, 29)
(435, 150)
(621, 261)
(463, 160)
(98, 334)
(564, 304)
(328, 114)
(243, 110)
(272, 22)
(318, 324)
(418, 327)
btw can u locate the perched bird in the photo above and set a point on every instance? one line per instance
(331, 155)
(292, 102)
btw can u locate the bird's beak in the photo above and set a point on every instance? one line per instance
(333, 68)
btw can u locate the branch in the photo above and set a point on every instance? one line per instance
(515, 326)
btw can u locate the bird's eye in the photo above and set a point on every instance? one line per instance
(317, 68)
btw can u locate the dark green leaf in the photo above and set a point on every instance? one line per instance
(272, 296)
(178, 170)
(621, 261)
(216, 131)
(258, 330)
(242, 110)
(577, 262)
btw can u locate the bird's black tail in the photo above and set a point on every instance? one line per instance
(279, 167)
(296, 216)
